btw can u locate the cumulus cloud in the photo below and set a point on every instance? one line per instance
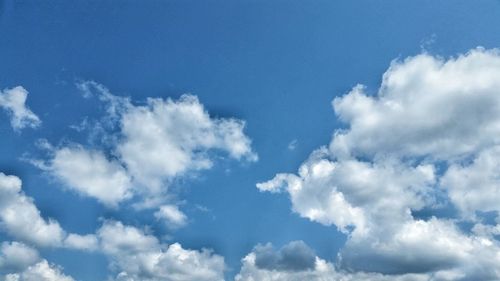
(81, 242)
(317, 269)
(150, 146)
(21, 219)
(136, 255)
(172, 216)
(429, 134)
(19, 262)
(14, 102)
(426, 106)
(475, 186)
(15, 256)
(353, 193)
(90, 173)
(42, 271)
(178, 136)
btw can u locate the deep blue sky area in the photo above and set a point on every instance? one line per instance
(275, 64)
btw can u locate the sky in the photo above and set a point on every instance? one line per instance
(249, 140)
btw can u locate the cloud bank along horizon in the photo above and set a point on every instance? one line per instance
(427, 142)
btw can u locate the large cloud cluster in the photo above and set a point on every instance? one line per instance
(133, 253)
(428, 138)
(136, 255)
(152, 145)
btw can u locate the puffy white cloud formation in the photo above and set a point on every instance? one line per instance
(42, 271)
(19, 262)
(475, 186)
(152, 145)
(426, 106)
(86, 242)
(14, 102)
(171, 215)
(90, 173)
(431, 131)
(167, 138)
(136, 256)
(353, 193)
(21, 219)
(15, 256)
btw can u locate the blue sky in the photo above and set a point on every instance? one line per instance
(274, 66)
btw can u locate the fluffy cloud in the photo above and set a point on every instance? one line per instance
(429, 134)
(19, 262)
(317, 269)
(171, 215)
(81, 242)
(354, 193)
(20, 218)
(426, 106)
(14, 102)
(136, 255)
(475, 186)
(42, 271)
(90, 173)
(15, 256)
(178, 136)
(151, 146)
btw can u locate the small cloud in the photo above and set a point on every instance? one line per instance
(171, 214)
(293, 144)
(14, 102)
(82, 126)
(428, 42)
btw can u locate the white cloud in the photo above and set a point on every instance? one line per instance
(91, 174)
(136, 255)
(433, 126)
(166, 139)
(171, 215)
(353, 193)
(426, 106)
(475, 187)
(19, 262)
(21, 219)
(42, 271)
(81, 242)
(15, 256)
(14, 102)
(150, 146)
